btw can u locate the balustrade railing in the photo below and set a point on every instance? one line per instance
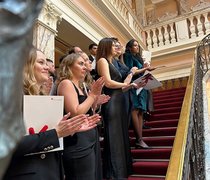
(194, 164)
(179, 30)
(186, 29)
(123, 8)
(187, 158)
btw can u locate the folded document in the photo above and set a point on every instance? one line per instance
(150, 80)
(42, 113)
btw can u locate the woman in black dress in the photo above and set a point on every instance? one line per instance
(81, 154)
(118, 62)
(116, 160)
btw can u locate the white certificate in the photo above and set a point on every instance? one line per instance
(43, 111)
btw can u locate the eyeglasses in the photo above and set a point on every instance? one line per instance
(118, 46)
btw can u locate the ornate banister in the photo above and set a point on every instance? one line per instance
(187, 158)
(182, 30)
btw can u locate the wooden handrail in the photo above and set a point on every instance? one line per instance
(176, 162)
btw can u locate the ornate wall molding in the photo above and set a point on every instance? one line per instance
(140, 12)
(184, 8)
(202, 4)
(46, 29)
(150, 15)
(168, 16)
(50, 15)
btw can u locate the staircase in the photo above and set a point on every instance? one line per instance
(152, 164)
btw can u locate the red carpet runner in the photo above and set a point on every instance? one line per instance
(151, 164)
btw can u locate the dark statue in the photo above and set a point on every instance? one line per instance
(16, 20)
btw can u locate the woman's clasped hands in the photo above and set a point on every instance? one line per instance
(96, 88)
(76, 124)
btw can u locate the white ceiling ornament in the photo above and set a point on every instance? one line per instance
(156, 1)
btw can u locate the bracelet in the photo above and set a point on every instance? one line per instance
(130, 72)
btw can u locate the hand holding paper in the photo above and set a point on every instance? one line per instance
(151, 68)
(43, 113)
(158, 67)
(128, 78)
(150, 80)
(146, 56)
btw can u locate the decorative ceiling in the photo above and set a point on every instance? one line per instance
(157, 1)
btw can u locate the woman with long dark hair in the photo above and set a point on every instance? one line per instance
(132, 58)
(116, 155)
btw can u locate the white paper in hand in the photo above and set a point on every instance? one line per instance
(40, 111)
(138, 91)
(146, 56)
(151, 81)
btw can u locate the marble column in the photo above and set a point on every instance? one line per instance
(45, 29)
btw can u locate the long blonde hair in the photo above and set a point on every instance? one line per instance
(30, 85)
(64, 71)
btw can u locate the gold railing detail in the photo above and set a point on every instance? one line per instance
(187, 161)
(175, 167)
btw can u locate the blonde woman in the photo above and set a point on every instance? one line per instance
(81, 150)
(46, 165)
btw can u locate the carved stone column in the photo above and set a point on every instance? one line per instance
(45, 29)
(140, 12)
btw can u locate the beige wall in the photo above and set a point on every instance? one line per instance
(84, 22)
(108, 27)
(166, 7)
(176, 65)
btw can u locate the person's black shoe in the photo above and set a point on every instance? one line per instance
(146, 127)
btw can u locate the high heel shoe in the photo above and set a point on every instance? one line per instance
(141, 144)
